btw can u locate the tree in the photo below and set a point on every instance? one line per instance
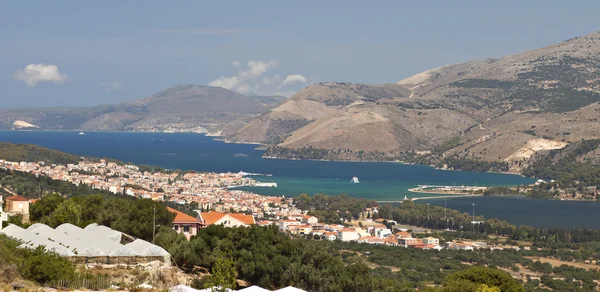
(138, 219)
(223, 275)
(67, 212)
(486, 288)
(472, 279)
(44, 267)
(45, 206)
(16, 219)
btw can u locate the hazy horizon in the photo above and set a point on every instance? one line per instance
(70, 53)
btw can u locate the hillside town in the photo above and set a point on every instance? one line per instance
(218, 202)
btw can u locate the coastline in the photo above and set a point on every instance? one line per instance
(222, 139)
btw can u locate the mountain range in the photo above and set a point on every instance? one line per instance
(189, 108)
(503, 109)
(494, 110)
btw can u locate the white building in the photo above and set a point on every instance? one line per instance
(348, 234)
(310, 219)
(431, 241)
(285, 225)
(382, 232)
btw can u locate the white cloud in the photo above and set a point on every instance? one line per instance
(257, 68)
(33, 74)
(111, 86)
(253, 79)
(293, 79)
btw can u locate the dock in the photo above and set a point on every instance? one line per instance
(433, 198)
(444, 192)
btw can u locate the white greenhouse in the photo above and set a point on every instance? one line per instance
(94, 243)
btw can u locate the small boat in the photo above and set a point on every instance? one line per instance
(354, 180)
(81, 133)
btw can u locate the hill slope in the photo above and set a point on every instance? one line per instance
(180, 108)
(493, 110)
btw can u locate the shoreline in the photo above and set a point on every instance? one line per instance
(220, 138)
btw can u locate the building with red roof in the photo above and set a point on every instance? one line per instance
(184, 223)
(17, 205)
(225, 219)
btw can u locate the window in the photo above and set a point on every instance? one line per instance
(186, 228)
(176, 227)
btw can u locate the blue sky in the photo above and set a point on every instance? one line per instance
(113, 51)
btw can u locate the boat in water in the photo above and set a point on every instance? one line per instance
(243, 173)
(81, 133)
(354, 180)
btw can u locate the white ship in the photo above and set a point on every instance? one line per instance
(354, 180)
(266, 184)
(81, 133)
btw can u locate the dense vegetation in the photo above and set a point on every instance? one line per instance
(326, 208)
(266, 257)
(131, 216)
(35, 265)
(459, 163)
(27, 152)
(541, 192)
(439, 218)
(312, 153)
(568, 166)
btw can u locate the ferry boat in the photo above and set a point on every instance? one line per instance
(81, 133)
(354, 180)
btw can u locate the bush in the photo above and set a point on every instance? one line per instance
(43, 267)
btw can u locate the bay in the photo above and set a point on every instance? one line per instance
(378, 181)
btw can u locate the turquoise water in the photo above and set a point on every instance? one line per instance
(379, 181)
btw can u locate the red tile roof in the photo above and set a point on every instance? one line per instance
(17, 199)
(181, 217)
(213, 216)
(246, 219)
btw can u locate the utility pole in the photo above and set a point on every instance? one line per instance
(473, 213)
(154, 223)
(427, 211)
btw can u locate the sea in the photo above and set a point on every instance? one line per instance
(382, 181)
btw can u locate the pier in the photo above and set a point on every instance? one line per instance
(443, 192)
(433, 198)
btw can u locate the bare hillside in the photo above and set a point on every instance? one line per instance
(490, 110)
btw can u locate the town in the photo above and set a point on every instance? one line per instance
(218, 202)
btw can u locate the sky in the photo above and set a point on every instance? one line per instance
(84, 53)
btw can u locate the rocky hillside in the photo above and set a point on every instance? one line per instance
(491, 110)
(190, 108)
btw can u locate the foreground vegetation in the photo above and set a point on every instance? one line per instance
(266, 257)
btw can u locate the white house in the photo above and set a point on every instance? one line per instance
(460, 246)
(310, 219)
(382, 232)
(331, 236)
(285, 225)
(431, 241)
(348, 234)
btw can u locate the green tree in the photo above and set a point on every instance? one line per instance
(473, 278)
(486, 288)
(67, 212)
(16, 219)
(223, 275)
(43, 267)
(45, 207)
(138, 219)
